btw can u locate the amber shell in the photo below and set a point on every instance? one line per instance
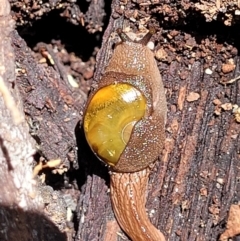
(110, 117)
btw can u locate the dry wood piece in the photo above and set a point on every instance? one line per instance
(181, 97)
(233, 223)
(226, 68)
(52, 106)
(21, 207)
(10, 103)
(16, 145)
(193, 96)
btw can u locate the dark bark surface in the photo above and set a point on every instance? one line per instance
(195, 180)
(21, 208)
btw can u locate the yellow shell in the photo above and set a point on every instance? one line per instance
(110, 117)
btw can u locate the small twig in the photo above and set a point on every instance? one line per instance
(10, 103)
(48, 53)
(231, 80)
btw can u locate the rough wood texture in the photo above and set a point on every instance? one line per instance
(50, 106)
(21, 209)
(16, 147)
(192, 187)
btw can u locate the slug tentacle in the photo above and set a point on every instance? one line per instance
(147, 37)
(123, 36)
(128, 195)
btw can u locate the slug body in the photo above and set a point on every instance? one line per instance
(124, 124)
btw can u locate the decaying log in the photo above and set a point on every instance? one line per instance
(21, 206)
(195, 180)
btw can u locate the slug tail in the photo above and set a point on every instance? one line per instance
(128, 195)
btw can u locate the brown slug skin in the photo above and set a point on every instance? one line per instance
(135, 59)
(128, 190)
(132, 64)
(128, 195)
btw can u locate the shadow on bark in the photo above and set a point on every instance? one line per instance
(26, 225)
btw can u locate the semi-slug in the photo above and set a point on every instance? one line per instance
(124, 124)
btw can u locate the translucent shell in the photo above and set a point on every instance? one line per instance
(110, 117)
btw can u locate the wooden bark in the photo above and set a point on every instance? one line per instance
(21, 206)
(196, 178)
